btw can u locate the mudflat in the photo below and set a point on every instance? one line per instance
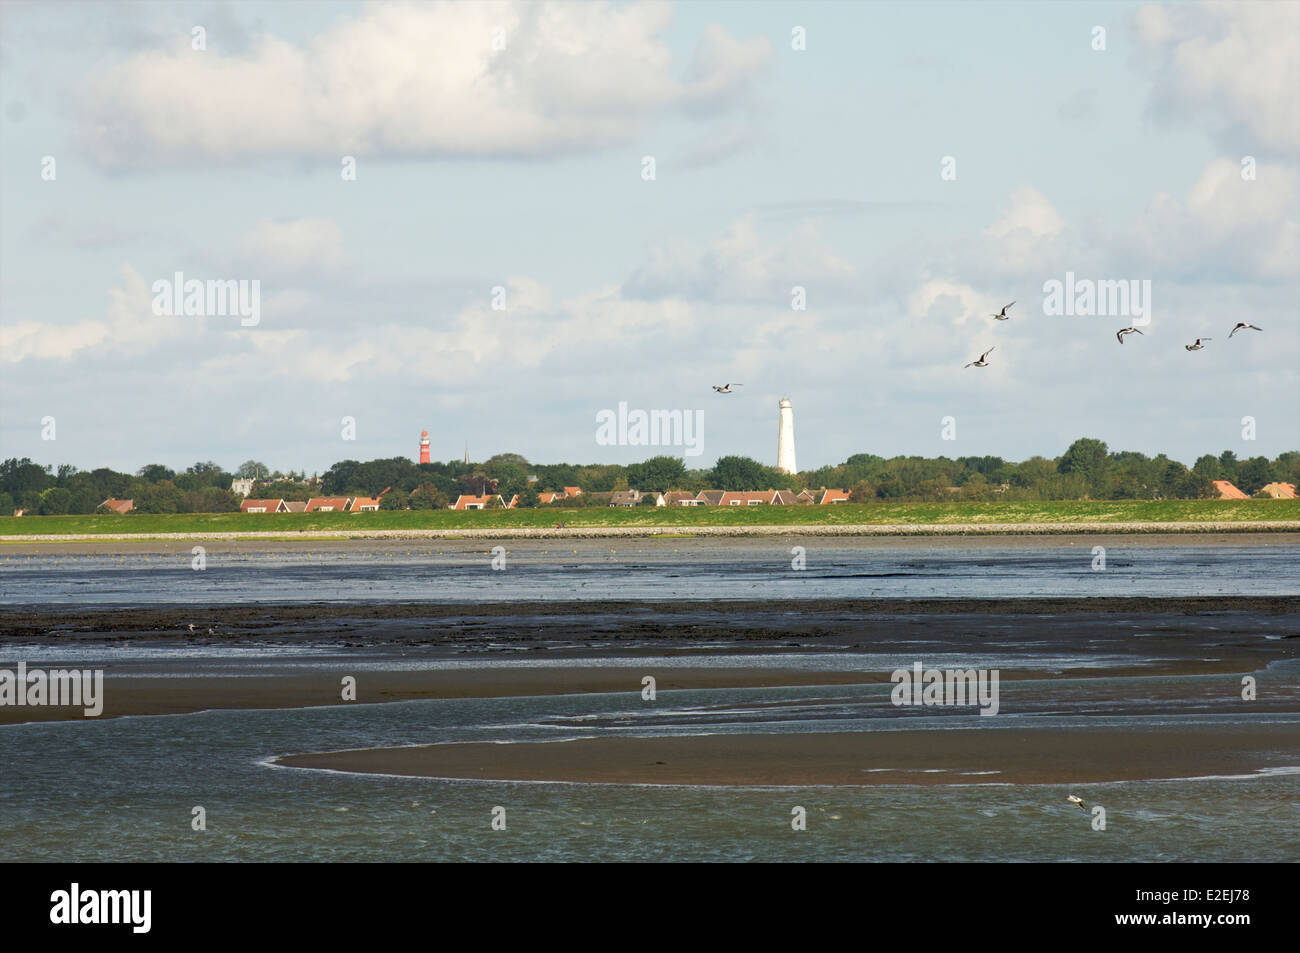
(1005, 755)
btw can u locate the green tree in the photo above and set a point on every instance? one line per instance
(19, 476)
(1088, 459)
(662, 473)
(1207, 467)
(862, 492)
(395, 500)
(1252, 474)
(160, 497)
(426, 496)
(739, 473)
(253, 470)
(1228, 466)
(55, 501)
(155, 472)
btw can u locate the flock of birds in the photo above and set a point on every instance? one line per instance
(1119, 336)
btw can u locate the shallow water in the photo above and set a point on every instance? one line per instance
(123, 790)
(683, 569)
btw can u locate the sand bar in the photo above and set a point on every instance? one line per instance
(1021, 756)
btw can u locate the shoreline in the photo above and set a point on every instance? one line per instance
(852, 758)
(910, 530)
(461, 545)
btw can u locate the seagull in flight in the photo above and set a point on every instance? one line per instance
(1198, 345)
(1242, 326)
(982, 362)
(726, 388)
(1075, 799)
(1119, 335)
(191, 626)
(1002, 315)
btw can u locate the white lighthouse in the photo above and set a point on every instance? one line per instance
(785, 438)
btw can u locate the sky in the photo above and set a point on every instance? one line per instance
(504, 264)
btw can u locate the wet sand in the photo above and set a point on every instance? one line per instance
(1030, 637)
(559, 542)
(1022, 756)
(158, 694)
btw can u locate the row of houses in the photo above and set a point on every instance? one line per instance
(729, 497)
(1278, 491)
(358, 504)
(673, 498)
(317, 504)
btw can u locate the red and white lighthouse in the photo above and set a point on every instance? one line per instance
(424, 446)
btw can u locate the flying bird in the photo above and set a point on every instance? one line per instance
(191, 626)
(1198, 345)
(1002, 315)
(1119, 335)
(726, 388)
(1075, 799)
(982, 362)
(1242, 326)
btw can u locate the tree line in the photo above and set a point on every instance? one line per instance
(1087, 470)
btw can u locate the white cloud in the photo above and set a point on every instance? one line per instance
(740, 265)
(1029, 210)
(1238, 60)
(416, 80)
(1026, 235)
(1226, 224)
(129, 326)
(302, 244)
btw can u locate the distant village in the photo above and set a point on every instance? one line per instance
(1087, 470)
(362, 504)
(487, 501)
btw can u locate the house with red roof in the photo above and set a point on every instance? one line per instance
(469, 501)
(573, 491)
(1227, 491)
(327, 504)
(834, 496)
(1279, 491)
(263, 506)
(117, 506)
(754, 498)
(364, 503)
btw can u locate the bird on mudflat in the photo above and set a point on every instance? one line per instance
(1002, 315)
(1119, 335)
(983, 362)
(725, 388)
(1198, 345)
(1242, 326)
